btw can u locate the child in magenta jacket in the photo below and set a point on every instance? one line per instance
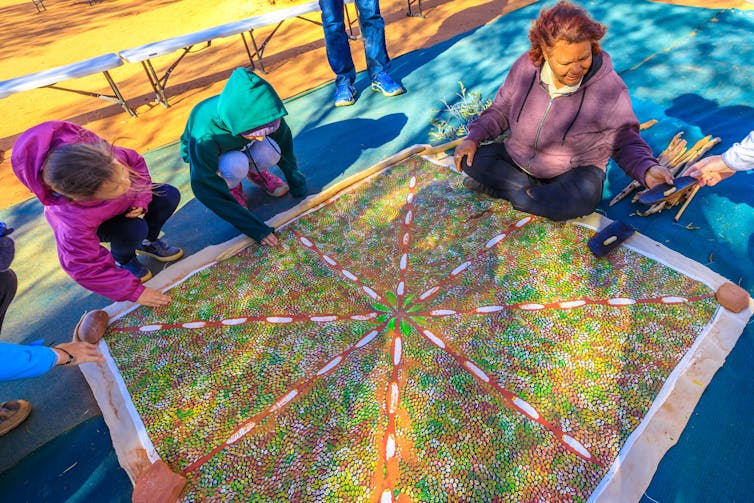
(96, 192)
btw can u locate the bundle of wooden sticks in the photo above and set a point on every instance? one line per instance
(677, 158)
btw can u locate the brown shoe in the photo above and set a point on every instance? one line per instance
(92, 326)
(13, 413)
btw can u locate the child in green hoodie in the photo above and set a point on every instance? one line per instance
(240, 133)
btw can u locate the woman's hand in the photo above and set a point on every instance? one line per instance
(269, 240)
(466, 148)
(135, 212)
(656, 175)
(710, 170)
(82, 352)
(153, 298)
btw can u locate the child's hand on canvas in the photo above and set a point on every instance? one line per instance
(269, 240)
(153, 298)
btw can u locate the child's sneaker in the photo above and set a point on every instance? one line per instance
(237, 193)
(137, 269)
(160, 250)
(384, 83)
(273, 185)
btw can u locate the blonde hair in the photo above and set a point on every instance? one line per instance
(78, 170)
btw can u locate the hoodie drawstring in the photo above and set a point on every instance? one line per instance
(247, 151)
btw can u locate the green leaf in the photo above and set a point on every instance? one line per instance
(391, 324)
(405, 328)
(391, 298)
(380, 307)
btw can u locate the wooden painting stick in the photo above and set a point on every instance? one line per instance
(688, 200)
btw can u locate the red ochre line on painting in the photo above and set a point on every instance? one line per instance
(333, 265)
(297, 389)
(430, 293)
(388, 460)
(404, 239)
(565, 305)
(512, 401)
(275, 319)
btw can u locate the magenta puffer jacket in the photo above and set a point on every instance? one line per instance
(551, 136)
(75, 223)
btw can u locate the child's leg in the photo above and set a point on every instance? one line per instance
(233, 167)
(124, 235)
(237, 193)
(573, 194)
(495, 170)
(165, 199)
(8, 286)
(264, 154)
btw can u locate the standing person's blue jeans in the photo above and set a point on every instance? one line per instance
(337, 44)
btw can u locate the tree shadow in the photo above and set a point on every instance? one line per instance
(731, 124)
(342, 142)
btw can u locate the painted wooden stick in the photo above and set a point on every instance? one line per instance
(691, 153)
(700, 154)
(625, 192)
(685, 205)
(647, 125)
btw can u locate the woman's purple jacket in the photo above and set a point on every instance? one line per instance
(551, 136)
(75, 223)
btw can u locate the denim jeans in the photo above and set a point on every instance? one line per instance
(125, 234)
(8, 286)
(337, 44)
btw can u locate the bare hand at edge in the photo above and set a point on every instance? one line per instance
(269, 240)
(135, 213)
(466, 148)
(710, 170)
(82, 352)
(656, 175)
(153, 298)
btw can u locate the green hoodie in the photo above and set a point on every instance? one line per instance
(214, 127)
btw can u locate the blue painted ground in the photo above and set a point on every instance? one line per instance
(687, 67)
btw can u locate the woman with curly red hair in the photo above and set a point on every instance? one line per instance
(565, 112)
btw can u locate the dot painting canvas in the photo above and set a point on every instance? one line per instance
(409, 340)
